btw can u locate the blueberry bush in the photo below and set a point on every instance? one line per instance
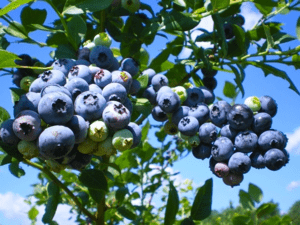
(84, 119)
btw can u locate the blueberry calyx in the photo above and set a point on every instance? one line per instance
(59, 106)
(100, 74)
(102, 57)
(26, 128)
(90, 99)
(119, 108)
(74, 71)
(46, 75)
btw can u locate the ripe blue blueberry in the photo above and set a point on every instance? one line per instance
(76, 86)
(227, 131)
(239, 163)
(188, 126)
(275, 159)
(102, 57)
(122, 77)
(114, 92)
(150, 73)
(271, 139)
(222, 149)
(128, 104)
(158, 114)
(64, 65)
(169, 102)
(79, 127)
(28, 101)
(84, 54)
(7, 134)
(150, 94)
(130, 65)
(82, 62)
(200, 112)
(162, 91)
(102, 78)
(46, 78)
(257, 160)
(55, 88)
(81, 71)
(208, 133)
(95, 88)
(218, 113)
(181, 112)
(209, 96)
(246, 141)
(136, 132)
(261, 122)
(158, 81)
(202, 151)
(240, 117)
(268, 105)
(135, 87)
(194, 96)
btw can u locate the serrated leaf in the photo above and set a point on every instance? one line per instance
(4, 115)
(238, 79)
(83, 6)
(7, 59)
(172, 206)
(177, 21)
(13, 5)
(33, 213)
(267, 69)
(16, 170)
(298, 28)
(217, 4)
(201, 207)
(255, 193)
(126, 213)
(229, 90)
(246, 200)
(93, 179)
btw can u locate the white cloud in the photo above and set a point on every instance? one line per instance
(293, 145)
(15, 209)
(293, 185)
(251, 16)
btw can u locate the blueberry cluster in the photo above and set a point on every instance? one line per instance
(234, 137)
(78, 109)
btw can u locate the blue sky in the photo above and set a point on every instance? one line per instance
(281, 186)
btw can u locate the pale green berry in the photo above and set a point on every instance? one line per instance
(131, 5)
(87, 146)
(89, 44)
(122, 140)
(28, 149)
(194, 141)
(188, 85)
(26, 82)
(170, 128)
(253, 103)
(98, 131)
(181, 92)
(55, 166)
(105, 148)
(102, 39)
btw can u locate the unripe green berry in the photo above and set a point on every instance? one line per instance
(194, 141)
(28, 149)
(131, 5)
(98, 131)
(55, 166)
(105, 148)
(170, 128)
(122, 140)
(188, 85)
(253, 103)
(181, 92)
(87, 146)
(89, 44)
(102, 39)
(26, 82)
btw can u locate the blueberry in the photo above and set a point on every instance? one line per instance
(114, 65)
(209, 72)
(150, 73)
(221, 169)
(27, 125)
(98, 131)
(261, 122)
(162, 91)
(79, 127)
(56, 108)
(194, 96)
(239, 19)
(56, 142)
(212, 163)
(88, 146)
(181, 112)
(82, 62)
(28, 101)
(227, 131)
(228, 30)
(114, 92)
(275, 159)
(150, 94)
(7, 134)
(16, 78)
(90, 105)
(208, 133)
(101, 56)
(240, 117)
(209, 96)
(84, 54)
(131, 5)
(158, 81)
(271, 139)
(116, 115)
(102, 78)
(95, 88)
(268, 105)
(122, 140)
(94, 69)
(130, 65)
(188, 126)
(218, 113)
(170, 128)
(200, 112)
(55, 88)
(222, 149)
(122, 77)
(46, 78)
(158, 114)
(135, 87)
(128, 104)
(210, 82)
(69, 157)
(28, 149)
(136, 132)
(102, 39)
(105, 148)
(246, 141)
(80, 161)
(76, 86)
(64, 65)
(233, 179)
(169, 102)
(239, 163)
(81, 71)
(257, 160)
(202, 151)
(253, 103)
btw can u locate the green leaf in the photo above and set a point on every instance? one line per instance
(265, 6)
(127, 160)
(32, 213)
(238, 219)
(142, 106)
(93, 179)
(201, 207)
(246, 200)
(16, 93)
(5, 159)
(298, 28)
(158, 60)
(27, 18)
(7, 59)
(281, 37)
(13, 5)
(82, 6)
(240, 36)
(265, 209)
(16, 170)
(272, 220)
(221, 34)
(296, 61)
(152, 188)
(172, 206)
(50, 210)
(177, 21)
(229, 90)
(96, 194)
(239, 78)
(4, 115)
(56, 39)
(255, 193)
(116, 52)
(83, 197)
(17, 30)
(78, 28)
(143, 81)
(126, 213)
(176, 75)
(161, 134)
(53, 189)
(270, 40)
(267, 69)
(11, 150)
(130, 177)
(120, 193)
(146, 152)
(145, 130)
(217, 4)
(197, 80)
(65, 51)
